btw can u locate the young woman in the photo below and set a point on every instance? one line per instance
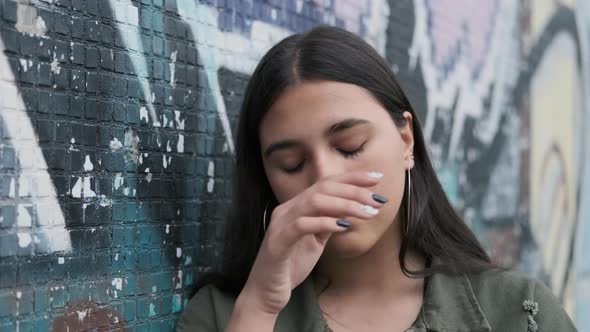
(339, 222)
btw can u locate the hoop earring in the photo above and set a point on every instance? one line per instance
(410, 158)
(264, 218)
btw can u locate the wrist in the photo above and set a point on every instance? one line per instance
(249, 301)
(248, 316)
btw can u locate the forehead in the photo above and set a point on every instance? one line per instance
(310, 106)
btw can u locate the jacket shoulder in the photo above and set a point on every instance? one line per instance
(512, 299)
(208, 311)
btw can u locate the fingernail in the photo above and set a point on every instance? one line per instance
(379, 198)
(343, 223)
(369, 209)
(375, 175)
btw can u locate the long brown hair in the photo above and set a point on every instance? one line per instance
(333, 54)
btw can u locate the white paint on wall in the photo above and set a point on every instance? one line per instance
(19, 126)
(127, 17)
(211, 174)
(173, 68)
(88, 166)
(55, 68)
(24, 239)
(115, 145)
(28, 20)
(23, 218)
(118, 180)
(180, 144)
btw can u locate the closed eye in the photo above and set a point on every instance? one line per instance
(347, 154)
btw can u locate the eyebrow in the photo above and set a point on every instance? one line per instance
(333, 129)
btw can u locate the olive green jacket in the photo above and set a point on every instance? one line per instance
(488, 301)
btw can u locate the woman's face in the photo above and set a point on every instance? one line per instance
(303, 115)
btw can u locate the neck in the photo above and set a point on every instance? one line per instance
(376, 273)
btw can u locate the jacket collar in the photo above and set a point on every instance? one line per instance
(449, 305)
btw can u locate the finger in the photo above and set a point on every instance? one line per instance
(358, 178)
(311, 225)
(352, 192)
(320, 205)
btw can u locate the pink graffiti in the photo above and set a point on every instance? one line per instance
(461, 22)
(350, 12)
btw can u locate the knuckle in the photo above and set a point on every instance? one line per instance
(278, 211)
(366, 195)
(361, 194)
(299, 223)
(314, 202)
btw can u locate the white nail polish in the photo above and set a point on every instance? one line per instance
(375, 175)
(369, 209)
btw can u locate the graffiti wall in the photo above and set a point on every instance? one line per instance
(117, 122)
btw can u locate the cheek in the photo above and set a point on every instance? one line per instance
(284, 188)
(392, 185)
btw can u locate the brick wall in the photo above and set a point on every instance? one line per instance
(116, 139)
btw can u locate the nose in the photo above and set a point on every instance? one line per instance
(325, 164)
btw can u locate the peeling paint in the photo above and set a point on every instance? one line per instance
(82, 314)
(180, 144)
(104, 200)
(119, 180)
(77, 189)
(172, 68)
(88, 192)
(178, 280)
(24, 239)
(164, 162)
(118, 283)
(24, 217)
(164, 120)
(115, 145)
(88, 164)
(28, 21)
(82, 188)
(210, 173)
(131, 145)
(26, 64)
(55, 68)
(180, 123)
(143, 114)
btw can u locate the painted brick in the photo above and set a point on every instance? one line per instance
(91, 57)
(92, 81)
(61, 79)
(41, 300)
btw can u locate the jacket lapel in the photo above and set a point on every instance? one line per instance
(450, 305)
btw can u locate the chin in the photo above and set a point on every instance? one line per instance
(349, 244)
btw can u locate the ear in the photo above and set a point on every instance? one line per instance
(407, 135)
